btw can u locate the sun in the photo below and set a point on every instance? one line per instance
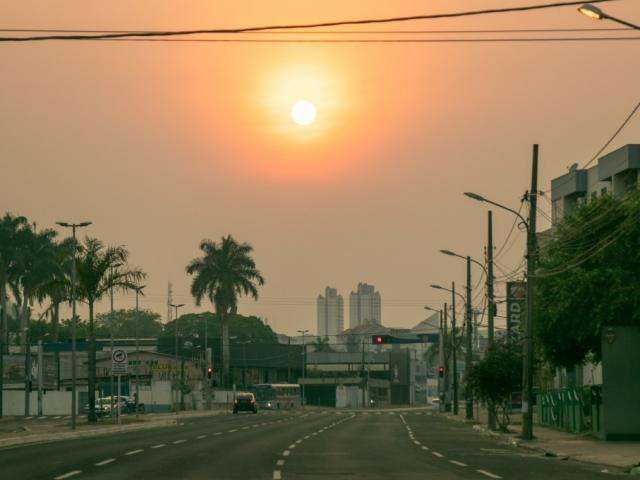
(303, 112)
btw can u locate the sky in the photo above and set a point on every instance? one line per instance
(162, 144)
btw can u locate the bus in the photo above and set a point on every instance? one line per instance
(277, 396)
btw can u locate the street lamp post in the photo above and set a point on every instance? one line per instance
(442, 384)
(304, 364)
(527, 364)
(454, 355)
(139, 292)
(74, 407)
(176, 347)
(596, 13)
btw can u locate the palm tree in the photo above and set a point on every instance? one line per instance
(10, 226)
(322, 345)
(100, 269)
(225, 272)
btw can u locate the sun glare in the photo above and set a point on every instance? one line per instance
(303, 112)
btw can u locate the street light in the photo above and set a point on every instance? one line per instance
(304, 363)
(73, 227)
(595, 13)
(480, 198)
(139, 292)
(175, 353)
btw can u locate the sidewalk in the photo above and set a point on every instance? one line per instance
(557, 443)
(19, 431)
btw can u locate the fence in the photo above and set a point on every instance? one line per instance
(575, 410)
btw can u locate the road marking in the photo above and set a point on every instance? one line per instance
(178, 442)
(234, 430)
(218, 433)
(245, 428)
(306, 437)
(42, 418)
(105, 462)
(56, 418)
(460, 464)
(298, 441)
(277, 475)
(67, 475)
(416, 442)
(437, 454)
(424, 447)
(200, 437)
(488, 474)
(292, 446)
(159, 445)
(28, 418)
(286, 453)
(280, 462)
(133, 452)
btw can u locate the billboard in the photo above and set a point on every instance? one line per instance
(516, 308)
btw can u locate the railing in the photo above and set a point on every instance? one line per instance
(575, 410)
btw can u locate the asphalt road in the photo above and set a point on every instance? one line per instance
(299, 445)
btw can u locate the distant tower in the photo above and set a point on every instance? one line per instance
(330, 314)
(169, 301)
(365, 306)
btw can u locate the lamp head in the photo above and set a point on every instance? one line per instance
(448, 252)
(591, 11)
(475, 196)
(437, 287)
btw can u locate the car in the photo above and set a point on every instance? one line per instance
(245, 402)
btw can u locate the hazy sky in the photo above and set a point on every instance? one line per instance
(163, 144)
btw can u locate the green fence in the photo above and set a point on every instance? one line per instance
(575, 410)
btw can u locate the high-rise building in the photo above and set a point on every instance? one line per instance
(330, 314)
(364, 306)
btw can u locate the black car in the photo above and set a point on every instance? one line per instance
(245, 402)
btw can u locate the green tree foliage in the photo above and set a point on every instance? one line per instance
(588, 279)
(496, 377)
(223, 273)
(126, 323)
(322, 345)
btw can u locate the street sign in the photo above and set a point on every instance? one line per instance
(119, 363)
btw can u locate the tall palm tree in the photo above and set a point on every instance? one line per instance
(10, 226)
(100, 269)
(225, 272)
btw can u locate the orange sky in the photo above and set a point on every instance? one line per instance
(163, 144)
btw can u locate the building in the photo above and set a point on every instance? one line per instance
(365, 306)
(330, 314)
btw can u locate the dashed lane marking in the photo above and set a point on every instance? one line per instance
(177, 442)
(67, 475)
(286, 453)
(105, 462)
(424, 447)
(306, 437)
(280, 462)
(159, 445)
(488, 474)
(245, 428)
(200, 437)
(56, 418)
(298, 441)
(218, 433)
(437, 454)
(460, 464)
(277, 475)
(416, 442)
(134, 452)
(232, 431)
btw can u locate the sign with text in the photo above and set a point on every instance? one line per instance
(516, 308)
(119, 363)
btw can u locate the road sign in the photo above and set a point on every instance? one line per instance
(119, 363)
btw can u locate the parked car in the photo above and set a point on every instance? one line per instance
(245, 402)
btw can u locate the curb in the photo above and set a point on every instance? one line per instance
(510, 440)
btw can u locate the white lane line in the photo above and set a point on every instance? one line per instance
(200, 437)
(280, 462)
(178, 442)
(133, 452)
(298, 441)
(160, 445)
(218, 433)
(56, 418)
(437, 454)
(245, 428)
(105, 462)
(460, 464)
(424, 447)
(292, 446)
(488, 474)
(416, 442)
(277, 475)
(306, 437)
(231, 431)
(67, 475)
(286, 453)
(28, 418)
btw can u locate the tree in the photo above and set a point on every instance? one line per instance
(128, 323)
(322, 345)
(496, 377)
(225, 272)
(99, 270)
(588, 280)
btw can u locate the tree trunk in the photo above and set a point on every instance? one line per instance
(24, 320)
(226, 351)
(55, 321)
(3, 335)
(91, 371)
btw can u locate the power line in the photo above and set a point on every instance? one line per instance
(370, 21)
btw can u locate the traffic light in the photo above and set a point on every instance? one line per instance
(378, 339)
(441, 372)
(209, 372)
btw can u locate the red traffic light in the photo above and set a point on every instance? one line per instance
(441, 372)
(209, 372)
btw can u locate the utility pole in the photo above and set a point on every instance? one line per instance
(447, 383)
(362, 376)
(304, 364)
(453, 348)
(527, 364)
(74, 320)
(116, 418)
(469, 342)
(441, 363)
(137, 399)
(491, 306)
(40, 373)
(176, 347)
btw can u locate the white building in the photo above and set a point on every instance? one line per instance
(364, 306)
(330, 314)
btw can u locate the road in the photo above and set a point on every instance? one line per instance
(298, 445)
